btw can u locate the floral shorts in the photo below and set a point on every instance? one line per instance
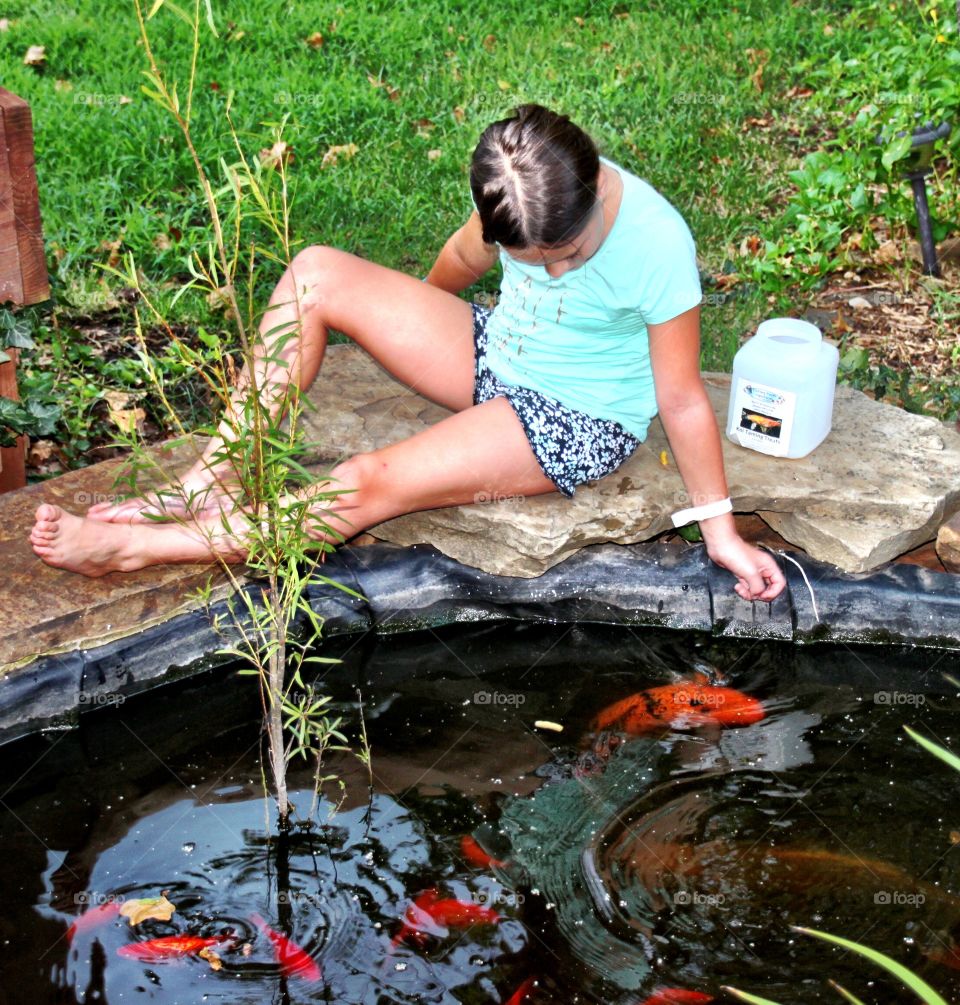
(570, 446)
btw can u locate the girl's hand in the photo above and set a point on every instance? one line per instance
(758, 575)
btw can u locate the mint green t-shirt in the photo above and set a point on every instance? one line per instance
(582, 338)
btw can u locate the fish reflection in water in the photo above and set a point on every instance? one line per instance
(647, 860)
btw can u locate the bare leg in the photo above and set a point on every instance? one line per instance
(422, 335)
(480, 453)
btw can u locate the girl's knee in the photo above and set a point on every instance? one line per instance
(313, 272)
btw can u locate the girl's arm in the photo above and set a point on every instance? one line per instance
(463, 259)
(691, 428)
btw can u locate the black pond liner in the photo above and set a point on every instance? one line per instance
(408, 589)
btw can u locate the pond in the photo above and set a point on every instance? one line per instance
(492, 861)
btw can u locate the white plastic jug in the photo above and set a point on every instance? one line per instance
(781, 394)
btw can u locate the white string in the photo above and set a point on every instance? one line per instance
(789, 558)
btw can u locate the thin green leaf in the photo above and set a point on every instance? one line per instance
(912, 981)
(213, 27)
(157, 4)
(745, 996)
(947, 756)
(853, 999)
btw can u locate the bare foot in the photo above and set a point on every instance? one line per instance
(87, 546)
(95, 547)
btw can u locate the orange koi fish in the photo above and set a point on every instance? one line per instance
(522, 993)
(93, 917)
(475, 855)
(429, 915)
(677, 996)
(293, 959)
(763, 420)
(169, 947)
(680, 706)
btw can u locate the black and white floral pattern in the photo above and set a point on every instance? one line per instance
(570, 446)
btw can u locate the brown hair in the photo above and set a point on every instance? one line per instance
(534, 179)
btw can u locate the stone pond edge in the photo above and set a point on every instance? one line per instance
(417, 587)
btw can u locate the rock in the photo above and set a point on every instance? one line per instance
(878, 486)
(948, 544)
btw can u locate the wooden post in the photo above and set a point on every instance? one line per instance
(23, 271)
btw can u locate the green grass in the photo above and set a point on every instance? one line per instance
(665, 87)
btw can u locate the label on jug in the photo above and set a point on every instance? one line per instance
(762, 417)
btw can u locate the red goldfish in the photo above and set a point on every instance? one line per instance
(168, 947)
(680, 706)
(475, 855)
(428, 915)
(522, 993)
(677, 996)
(93, 917)
(294, 961)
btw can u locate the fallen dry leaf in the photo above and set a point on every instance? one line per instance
(751, 245)
(799, 92)
(62, 85)
(40, 452)
(754, 123)
(887, 253)
(504, 85)
(211, 957)
(664, 459)
(840, 323)
(124, 100)
(114, 248)
(315, 40)
(127, 420)
(433, 155)
(4, 24)
(490, 43)
(333, 155)
(142, 908)
(828, 29)
(36, 55)
(459, 114)
(580, 21)
(162, 242)
(760, 57)
(280, 153)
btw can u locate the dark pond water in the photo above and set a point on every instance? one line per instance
(674, 858)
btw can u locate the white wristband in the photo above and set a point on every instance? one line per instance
(718, 508)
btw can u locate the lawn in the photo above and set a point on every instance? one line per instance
(717, 105)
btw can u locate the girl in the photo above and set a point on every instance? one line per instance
(596, 330)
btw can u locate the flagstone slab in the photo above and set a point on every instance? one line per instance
(880, 485)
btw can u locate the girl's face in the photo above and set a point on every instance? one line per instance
(561, 258)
